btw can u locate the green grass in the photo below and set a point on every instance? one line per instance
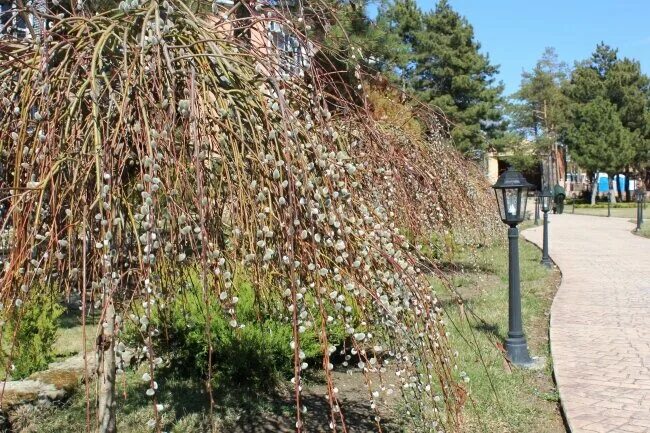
(645, 230)
(69, 339)
(626, 212)
(602, 204)
(503, 398)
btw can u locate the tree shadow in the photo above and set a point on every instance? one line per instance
(359, 417)
(258, 411)
(429, 267)
(71, 317)
(488, 328)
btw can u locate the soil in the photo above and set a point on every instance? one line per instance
(355, 403)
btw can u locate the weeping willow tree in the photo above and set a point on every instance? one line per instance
(143, 147)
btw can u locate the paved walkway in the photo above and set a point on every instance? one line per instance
(600, 322)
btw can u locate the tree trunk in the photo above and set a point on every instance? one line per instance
(107, 371)
(594, 188)
(619, 191)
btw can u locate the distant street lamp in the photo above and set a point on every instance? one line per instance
(609, 203)
(640, 198)
(573, 209)
(536, 209)
(511, 191)
(545, 197)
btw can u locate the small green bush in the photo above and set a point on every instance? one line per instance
(256, 355)
(35, 336)
(441, 247)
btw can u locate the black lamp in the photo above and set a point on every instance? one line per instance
(640, 197)
(511, 190)
(545, 197)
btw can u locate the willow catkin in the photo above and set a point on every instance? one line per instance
(141, 148)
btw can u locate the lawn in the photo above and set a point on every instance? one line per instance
(70, 334)
(600, 210)
(502, 398)
(645, 230)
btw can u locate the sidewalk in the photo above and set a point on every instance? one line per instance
(600, 322)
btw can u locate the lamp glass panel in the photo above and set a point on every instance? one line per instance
(514, 201)
(500, 202)
(512, 204)
(523, 199)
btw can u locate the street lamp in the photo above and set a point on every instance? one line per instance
(573, 209)
(545, 197)
(609, 203)
(511, 191)
(640, 196)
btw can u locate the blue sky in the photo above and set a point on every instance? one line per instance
(515, 32)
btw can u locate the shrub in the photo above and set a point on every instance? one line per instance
(34, 337)
(441, 247)
(257, 353)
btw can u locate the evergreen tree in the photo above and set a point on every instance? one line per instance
(620, 83)
(378, 41)
(540, 104)
(539, 109)
(450, 72)
(598, 139)
(585, 85)
(629, 89)
(406, 19)
(603, 59)
(436, 56)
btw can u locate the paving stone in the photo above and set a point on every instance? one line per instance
(600, 319)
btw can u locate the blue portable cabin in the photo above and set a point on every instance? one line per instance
(603, 183)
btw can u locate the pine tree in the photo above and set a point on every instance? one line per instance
(376, 40)
(435, 56)
(403, 19)
(451, 73)
(620, 83)
(590, 116)
(597, 137)
(406, 19)
(629, 89)
(540, 104)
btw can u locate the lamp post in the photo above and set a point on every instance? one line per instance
(573, 209)
(609, 203)
(536, 209)
(640, 195)
(545, 198)
(511, 191)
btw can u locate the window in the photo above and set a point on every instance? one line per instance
(14, 24)
(6, 16)
(290, 52)
(20, 26)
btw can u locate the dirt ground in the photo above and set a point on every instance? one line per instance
(355, 403)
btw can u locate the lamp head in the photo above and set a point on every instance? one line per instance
(511, 189)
